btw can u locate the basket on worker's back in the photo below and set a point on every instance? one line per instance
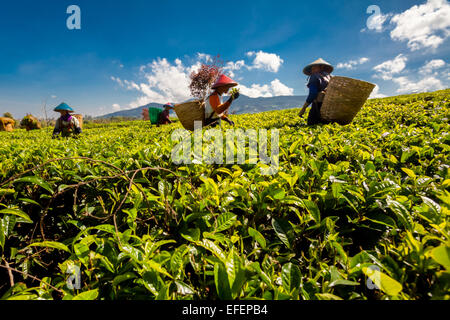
(189, 112)
(79, 118)
(344, 98)
(153, 114)
(6, 124)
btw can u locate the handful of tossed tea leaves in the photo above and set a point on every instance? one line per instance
(234, 91)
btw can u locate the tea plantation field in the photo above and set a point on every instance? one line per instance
(354, 212)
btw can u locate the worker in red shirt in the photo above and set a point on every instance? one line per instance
(215, 109)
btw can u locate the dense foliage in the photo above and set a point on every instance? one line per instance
(350, 207)
(203, 78)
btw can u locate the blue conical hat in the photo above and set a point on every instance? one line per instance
(63, 107)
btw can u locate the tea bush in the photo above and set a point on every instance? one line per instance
(354, 212)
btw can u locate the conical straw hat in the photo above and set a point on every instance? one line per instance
(319, 62)
(63, 107)
(223, 80)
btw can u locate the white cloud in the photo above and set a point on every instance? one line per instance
(388, 68)
(276, 88)
(432, 65)
(231, 66)
(376, 93)
(164, 82)
(280, 89)
(424, 85)
(116, 107)
(375, 22)
(423, 26)
(204, 57)
(265, 61)
(350, 64)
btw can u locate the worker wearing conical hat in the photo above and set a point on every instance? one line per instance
(66, 125)
(215, 109)
(319, 73)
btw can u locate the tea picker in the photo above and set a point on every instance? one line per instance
(215, 110)
(319, 73)
(209, 111)
(334, 99)
(158, 116)
(66, 125)
(164, 115)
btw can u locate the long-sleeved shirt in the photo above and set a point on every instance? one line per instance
(67, 127)
(317, 83)
(214, 106)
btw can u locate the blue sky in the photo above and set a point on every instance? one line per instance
(129, 53)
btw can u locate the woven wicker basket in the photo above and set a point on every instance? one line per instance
(80, 119)
(189, 112)
(344, 98)
(6, 124)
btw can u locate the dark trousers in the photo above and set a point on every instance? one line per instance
(314, 114)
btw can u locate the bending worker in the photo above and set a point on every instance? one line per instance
(66, 124)
(164, 116)
(319, 73)
(215, 110)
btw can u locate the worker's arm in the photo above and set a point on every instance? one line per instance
(225, 118)
(218, 108)
(313, 86)
(57, 129)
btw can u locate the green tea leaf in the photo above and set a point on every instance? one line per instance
(383, 281)
(18, 213)
(255, 234)
(51, 244)
(36, 180)
(87, 295)
(284, 231)
(221, 281)
(327, 296)
(290, 277)
(225, 221)
(312, 209)
(441, 255)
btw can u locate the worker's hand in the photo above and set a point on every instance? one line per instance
(236, 95)
(302, 112)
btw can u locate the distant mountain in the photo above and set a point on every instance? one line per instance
(242, 105)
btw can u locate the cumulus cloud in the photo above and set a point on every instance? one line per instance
(387, 69)
(351, 64)
(276, 88)
(424, 85)
(376, 21)
(432, 65)
(423, 26)
(162, 81)
(204, 57)
(116, 107)
(265, 61)
(280, 89)
(231, 66)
